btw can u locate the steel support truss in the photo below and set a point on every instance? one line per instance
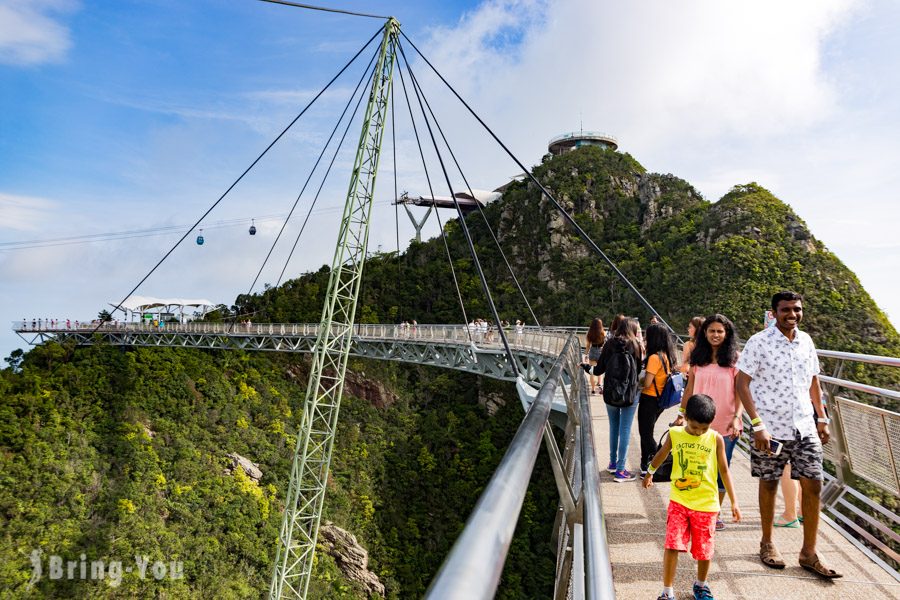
(315, 439)
(534, 363)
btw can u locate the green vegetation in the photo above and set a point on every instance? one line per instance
(687, 256)
(115, 453)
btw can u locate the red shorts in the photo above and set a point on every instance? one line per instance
(684, 524)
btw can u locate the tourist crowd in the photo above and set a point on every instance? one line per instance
(773, 379)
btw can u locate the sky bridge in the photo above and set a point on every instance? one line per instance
(609, 535)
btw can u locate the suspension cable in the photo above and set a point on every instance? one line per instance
(462, 219)
(477, 203)
(312, 172)
(396, 206)
(431, 191)
(581, 232)
(325, 9)
(247, 170)
(324, 179)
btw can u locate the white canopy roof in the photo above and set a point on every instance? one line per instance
(140, 303)
(483, 196)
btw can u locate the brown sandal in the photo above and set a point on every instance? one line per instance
(814, 565)
(770, 556)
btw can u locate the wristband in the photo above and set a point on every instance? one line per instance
(651, 470)
(824, 420)
(760, 427)
(756, 420)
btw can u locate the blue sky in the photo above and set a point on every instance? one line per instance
(117, 116)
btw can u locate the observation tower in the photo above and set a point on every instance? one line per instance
(576, 139)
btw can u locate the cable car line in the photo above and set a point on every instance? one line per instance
(127, 234)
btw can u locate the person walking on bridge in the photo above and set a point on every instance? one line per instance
(712, 372)
(618, 363)
(778, 385)
(594, 341)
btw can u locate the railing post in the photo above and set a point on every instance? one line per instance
(843, 469)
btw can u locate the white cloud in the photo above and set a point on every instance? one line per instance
(24, 213)
(29, 35)
(650, 71)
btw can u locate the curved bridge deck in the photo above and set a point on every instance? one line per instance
(636, 523)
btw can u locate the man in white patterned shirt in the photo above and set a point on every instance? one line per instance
(778, 385)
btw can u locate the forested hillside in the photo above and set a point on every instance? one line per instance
(687, 256)
(112, 454)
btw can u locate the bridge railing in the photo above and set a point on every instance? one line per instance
(474, 565)
(549, 342)
(866, 447)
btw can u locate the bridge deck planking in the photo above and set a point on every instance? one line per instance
(636, 518)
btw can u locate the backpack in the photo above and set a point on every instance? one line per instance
(664, 472)
(620, 380)
(672, 391)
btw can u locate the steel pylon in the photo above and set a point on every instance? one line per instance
(315, 440)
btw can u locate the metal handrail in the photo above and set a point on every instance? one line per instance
(860, 387)
(598, 568)
(888, 361)
(473, 567)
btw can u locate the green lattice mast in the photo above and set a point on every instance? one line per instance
(312, 457)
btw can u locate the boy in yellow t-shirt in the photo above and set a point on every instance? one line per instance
(699, 457)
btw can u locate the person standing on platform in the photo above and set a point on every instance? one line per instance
(660, 353)
(693, 328)
(778, 384)
(712, 373)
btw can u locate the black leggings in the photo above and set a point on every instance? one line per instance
(648, 413)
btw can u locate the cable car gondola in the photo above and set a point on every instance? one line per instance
(200, 239)
(252, 226)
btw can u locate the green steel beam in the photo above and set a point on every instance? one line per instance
(315, 440)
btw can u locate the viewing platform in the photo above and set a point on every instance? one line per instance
(636, 525)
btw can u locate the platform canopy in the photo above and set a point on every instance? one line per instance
(142, 303)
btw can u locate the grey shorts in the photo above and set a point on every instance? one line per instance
(804, 454)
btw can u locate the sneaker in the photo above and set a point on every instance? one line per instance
(701, 592)
(623, 475)
(665, 596)
(643, 473)
(611, 467)
(720, 524)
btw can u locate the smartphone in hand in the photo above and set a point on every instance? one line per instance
(775, 447)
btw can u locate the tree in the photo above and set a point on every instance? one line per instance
(15, 359)
(104, 316)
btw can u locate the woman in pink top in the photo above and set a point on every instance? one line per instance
(712, 373)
